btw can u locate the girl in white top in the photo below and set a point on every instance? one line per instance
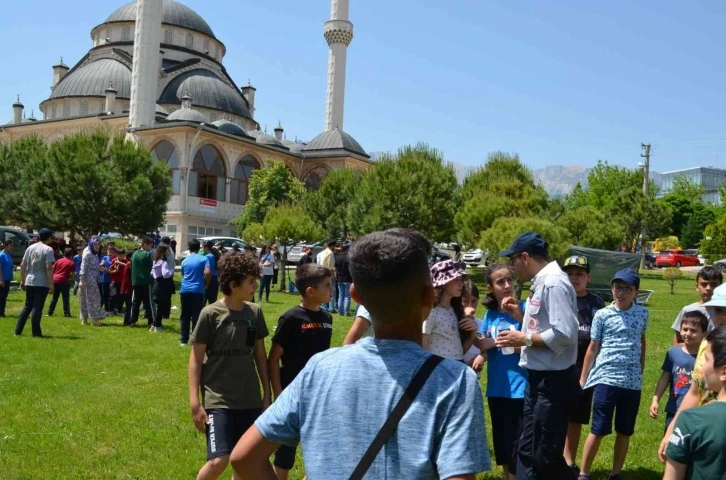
(447, 332)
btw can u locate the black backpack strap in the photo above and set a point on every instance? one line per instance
(422, 375)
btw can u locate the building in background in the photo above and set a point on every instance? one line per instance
(707, 177)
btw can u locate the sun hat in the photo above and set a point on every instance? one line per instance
(719, 297)
(577, 261)
(446, 271)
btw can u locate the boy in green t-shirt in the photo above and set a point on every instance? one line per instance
(227, 346)
(697, 447)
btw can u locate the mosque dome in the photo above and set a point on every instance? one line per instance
(335, 139)
(265, 139)
(294, 147)
(228, 127)
(175, 14)
(208, 90)
(186, 115)
(92, 80)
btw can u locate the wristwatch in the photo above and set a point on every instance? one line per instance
(528, 340)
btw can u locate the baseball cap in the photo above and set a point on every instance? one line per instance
(165, 241)
(627, 275)
(577, 261)
(45, 233)
(719, 297)
(528, 242)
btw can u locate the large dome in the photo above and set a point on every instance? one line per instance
(207, 90)
(335, 139)
(175, 13)
(92, 80)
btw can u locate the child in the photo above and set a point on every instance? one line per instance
(141, 262)
(506, 380)
(77, 259)
(470, 302)
(195, 271)
(104, 280)
(678, 364)
(123, 287)
(697, 448)
(707, 280)
(63, 270)
(301, 332)
(617, 349)
(212, 288)
(362, 326)
(577, 269)
(163, 287)
(230, 333)
(6, 274)
(447, 332)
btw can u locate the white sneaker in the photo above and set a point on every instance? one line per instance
(182, 344)
(158, 330)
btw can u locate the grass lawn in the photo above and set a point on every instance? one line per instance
(111, 402)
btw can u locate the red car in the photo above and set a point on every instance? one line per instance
(675, 258)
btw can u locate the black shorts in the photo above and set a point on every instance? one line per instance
(226, 427)
(581, 412)
(506, 415)
(614, 401)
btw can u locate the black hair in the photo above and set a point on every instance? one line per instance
(470, 289)
(710, 273)
(8, 242)
(717, 340)
(331, 243)
(490, 301)
(696, 317)
(67, 252)
(212, 248)
(310, 275)
(147, 241)
(235, 267)
(194, 245)
(390, 270)
(121, 251)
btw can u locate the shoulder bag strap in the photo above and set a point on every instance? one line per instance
(399, 410)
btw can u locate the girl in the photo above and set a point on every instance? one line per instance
(89, 296)
(278, 265)
(448, 332)
(163, 287)
(470, 302)
(212, 290)
(267, 264)
(506, 380)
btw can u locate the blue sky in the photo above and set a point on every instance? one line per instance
(559, 82)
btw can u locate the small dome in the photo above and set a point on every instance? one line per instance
(186, 115)
(228, 127)
(335, 139)
(294, 147)
(255, 133)
(92, 80)
(207, 90)
(175, 13)
(265, 139)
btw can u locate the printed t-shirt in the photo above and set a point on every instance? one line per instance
(619, 333)
(192, 269)
(141, 263)
(679, 364)
(505, 378)
(105, 277)
(38, 257)
(699, 441)
(7, 266)
(62, 270)
(587, 306)
(301, 333)
(443, 328)
(690, 308)
(229, 375)
(343, 396)
(704, 394)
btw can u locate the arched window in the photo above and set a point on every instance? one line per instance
(66, 109)
(168, 36)
(126, 35)
(165, 152)
(190, 41)
(207, 178)
(242, 174)
(84, 108)
(206, 46)
(54, 111)
(314, 178)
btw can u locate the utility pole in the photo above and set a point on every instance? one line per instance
(646, 186)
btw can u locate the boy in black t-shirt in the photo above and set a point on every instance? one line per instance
(301, 332)
(578, 271)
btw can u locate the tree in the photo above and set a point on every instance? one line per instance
(683, 200)
(635, 212)
(590, 228)
(328, 205)
(668, 243)
(697, 223)
(269, 187)
(504, 230)
(413, 189)
(16, 205)
(713, 245)
(91, 182)
(672, 275)
(605, 183)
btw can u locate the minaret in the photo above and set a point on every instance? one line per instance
(145, 70)
(338, 33)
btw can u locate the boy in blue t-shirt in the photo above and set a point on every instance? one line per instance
(617, 350)
(678, 364)
(196, 272)
(77, 259)
(6, 274)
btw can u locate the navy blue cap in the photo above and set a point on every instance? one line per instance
(528, 242)
(44, 234)
(629, 276)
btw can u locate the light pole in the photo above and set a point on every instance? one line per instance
(646, 184)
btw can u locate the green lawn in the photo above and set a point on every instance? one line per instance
(111, 402)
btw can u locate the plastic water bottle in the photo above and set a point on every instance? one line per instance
(509, 350)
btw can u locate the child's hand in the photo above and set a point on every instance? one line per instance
(654, 409)
(468, 324)
(485, 344)
(199, 415)
(478, 363)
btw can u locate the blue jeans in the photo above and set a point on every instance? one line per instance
(343, 298)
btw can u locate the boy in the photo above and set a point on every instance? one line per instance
(707, 280)
(230, 334)
(104, 280)
(36, 279)
(77, 259)
(63, 270)
(362, 326)
(117, 272)
(301, 332)
(121, 280)
(678, 364)
(697, 448)
(196, 271)
(332, 407)
(141, 263)
(617, 349)
(6, 275)
(577, 269)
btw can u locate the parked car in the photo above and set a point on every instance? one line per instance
(474, 257)
(650, 260)
(675, 258)
(720, 265)
(295, 253)
(20, 242)
(227, 243)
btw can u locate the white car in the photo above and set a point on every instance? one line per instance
(227, 243)
(474, 257)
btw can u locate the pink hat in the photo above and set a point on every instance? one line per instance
(446, 271)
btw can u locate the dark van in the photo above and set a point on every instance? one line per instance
(20, 242)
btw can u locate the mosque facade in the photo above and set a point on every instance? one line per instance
(156, 71)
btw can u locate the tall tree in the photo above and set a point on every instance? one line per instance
(504, 230)
(635, 212)
(285, 224)
(270, 186)
(605, 183)
(693, 231)
(713, 244)
(587, 227)
(413, 189)
(328, 205)
(682, 201)
(16, 206)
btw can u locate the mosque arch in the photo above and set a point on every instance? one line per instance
(239, 183)
(207, 178)
(166, 152)
(314, 177)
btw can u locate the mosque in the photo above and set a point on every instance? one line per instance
(155, 70)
